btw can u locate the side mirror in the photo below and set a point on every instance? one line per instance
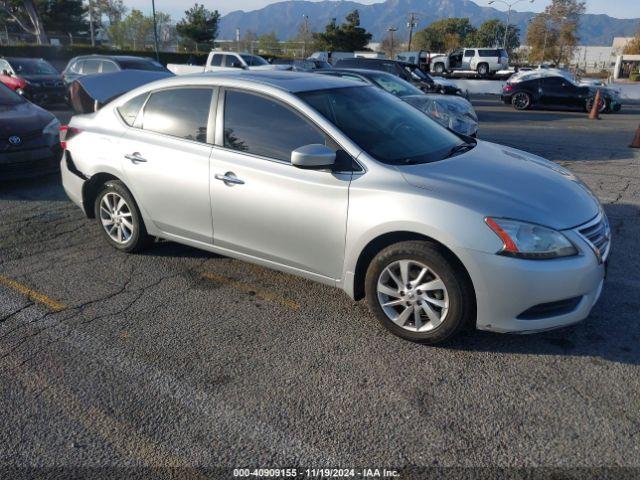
(314, 156)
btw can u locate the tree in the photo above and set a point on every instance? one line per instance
(132, 31)
(491, 34)
(268, 44)
(26, 16)
(444, 35)
(553, 33)
(348, 37)
(63, 16)
(248, 40)
(633, 47)
(199, 25)
(114, 10)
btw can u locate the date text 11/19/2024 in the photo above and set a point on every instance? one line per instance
(316, 473)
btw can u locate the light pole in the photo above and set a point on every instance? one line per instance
(306, 34)
(509, 5)
(391, 30)
(155, 29)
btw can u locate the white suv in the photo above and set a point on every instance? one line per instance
(483, 61)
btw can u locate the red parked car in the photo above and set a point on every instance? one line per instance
(33, 78)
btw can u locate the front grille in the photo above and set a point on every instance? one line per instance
(598, 234)
(551, 309)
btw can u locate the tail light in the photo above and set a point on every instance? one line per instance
(507, 88)
(66, 134)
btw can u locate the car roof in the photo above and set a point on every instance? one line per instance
(361, 71)
(13, 59)
(293, 82)
(111, 57)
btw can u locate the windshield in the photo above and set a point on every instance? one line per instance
(33, 67)
(385, 127)
(254, 60)
(8, 96)
(395, 85)
(141, 64)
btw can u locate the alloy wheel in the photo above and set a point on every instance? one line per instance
(521, 101)
(116, 217)
(413, 296)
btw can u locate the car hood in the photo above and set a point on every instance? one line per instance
(22, 118)
(504, 182)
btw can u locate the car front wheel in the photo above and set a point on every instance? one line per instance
(602, 105)
(418, 293)
(521, 101)
(119, 218)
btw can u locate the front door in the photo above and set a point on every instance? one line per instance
(166, 161)
(557, 91)
(265, 207)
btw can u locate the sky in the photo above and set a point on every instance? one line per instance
(614, 8)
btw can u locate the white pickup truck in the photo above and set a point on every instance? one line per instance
(217, 61)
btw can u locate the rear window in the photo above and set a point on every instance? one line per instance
(488, 53)
(141, 64)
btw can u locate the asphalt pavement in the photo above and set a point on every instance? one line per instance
(176, 361)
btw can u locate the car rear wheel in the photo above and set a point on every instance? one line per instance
(521, 101)
(483, 69)
(119, 218)
(418, 293)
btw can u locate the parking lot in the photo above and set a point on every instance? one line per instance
(181, 358)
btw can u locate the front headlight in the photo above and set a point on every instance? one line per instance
(52, 128)
(527, 240)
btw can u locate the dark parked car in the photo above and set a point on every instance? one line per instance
(29, 138)
(451, 111)
(34, 78)
(407, 71)
(92, 64)
(553, 88)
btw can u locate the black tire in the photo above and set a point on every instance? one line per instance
(138, 239)
(588, 105)
(521, 101)
(460, 294)
(483, 70)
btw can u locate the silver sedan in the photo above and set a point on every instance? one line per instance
(347, 185)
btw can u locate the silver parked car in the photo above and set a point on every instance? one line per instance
(348, 185)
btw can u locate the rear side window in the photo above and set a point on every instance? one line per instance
(488, 53)
(258, 125)
(76, 67)
(469, 53)
(129, 111)
(216, 61)
(108, 67)
(179, 112)
(91, 66)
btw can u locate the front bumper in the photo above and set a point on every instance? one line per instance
(32, 162)
(506, 288)
(505, 98)
(46, 96)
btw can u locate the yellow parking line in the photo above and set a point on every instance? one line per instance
(50, 303)
(263, 294)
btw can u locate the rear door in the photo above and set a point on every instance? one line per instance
(166, 160)
(467, 59)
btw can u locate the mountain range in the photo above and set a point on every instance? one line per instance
(284, 18)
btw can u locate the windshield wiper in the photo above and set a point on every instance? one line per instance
(463, 147)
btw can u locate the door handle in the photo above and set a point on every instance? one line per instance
(135, 158)
(229, 179)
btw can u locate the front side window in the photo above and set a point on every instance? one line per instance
(232, 61)
(129, 111)
(258, 125)
(387, 128)
(179, 112)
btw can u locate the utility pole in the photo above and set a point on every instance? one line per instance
(391, 30)
(411, 24)
(155, 29)
(91, 27)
